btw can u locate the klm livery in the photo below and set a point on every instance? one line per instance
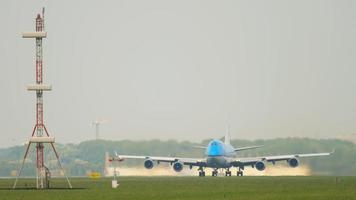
(222, 155)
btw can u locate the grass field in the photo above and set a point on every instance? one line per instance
(166, 188)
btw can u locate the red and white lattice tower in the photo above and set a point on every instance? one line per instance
(40, 135)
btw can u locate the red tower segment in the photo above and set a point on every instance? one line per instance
(39, 105)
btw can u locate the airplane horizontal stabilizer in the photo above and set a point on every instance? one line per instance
(246, 148)
(200, 147)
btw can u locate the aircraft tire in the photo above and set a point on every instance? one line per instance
(228, 173)
(214, 173)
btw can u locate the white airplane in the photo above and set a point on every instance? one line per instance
(221, 155)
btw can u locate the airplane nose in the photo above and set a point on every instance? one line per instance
(215, 150)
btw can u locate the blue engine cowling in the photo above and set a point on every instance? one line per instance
(148, 164)
(293, 162)
(177, 166)
(260, 166)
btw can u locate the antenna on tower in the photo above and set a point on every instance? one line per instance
(43, 18)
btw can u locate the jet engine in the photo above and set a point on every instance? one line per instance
(177, 166)
(260, 166)
(293, 162)
(148, 164)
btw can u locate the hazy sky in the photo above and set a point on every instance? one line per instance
(181, 69)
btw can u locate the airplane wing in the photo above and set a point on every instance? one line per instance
(185, 161)
(240, 162)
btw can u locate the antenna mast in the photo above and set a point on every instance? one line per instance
(40, 135)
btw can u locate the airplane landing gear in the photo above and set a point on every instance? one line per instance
(227, 172)
(201, 172)
(214, 173)
(240, 172)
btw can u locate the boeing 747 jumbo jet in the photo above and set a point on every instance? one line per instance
(222, 155)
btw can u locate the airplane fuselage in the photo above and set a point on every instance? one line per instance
(218, 154)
